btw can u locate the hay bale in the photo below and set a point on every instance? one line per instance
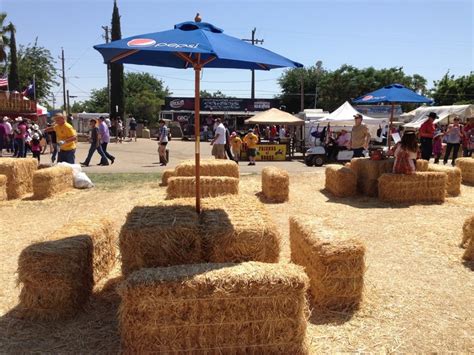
(341, 181)
(468, 238)
(57, 275)
(275, 184)
(368, 171)
(467, 169)
(335, 265)
(208, 167)
(421, 165)
(45, 165)
(414, 188)
(52, 181)
(165, 234)
(211, 186)
(19, 173)
(347, 165)
(253, 308)
(237, 229)
(166, 175)
(453, 181)
(3, 188)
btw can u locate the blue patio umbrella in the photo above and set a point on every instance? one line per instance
(197, 45)
(394, 93)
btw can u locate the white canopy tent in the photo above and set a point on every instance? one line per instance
(445, 113)
(274, 116)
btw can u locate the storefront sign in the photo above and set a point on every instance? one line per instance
(268, 152)
(221, 104)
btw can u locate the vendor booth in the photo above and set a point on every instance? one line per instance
(445, 114)
(280, 148)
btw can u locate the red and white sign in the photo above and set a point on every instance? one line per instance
(141, 42)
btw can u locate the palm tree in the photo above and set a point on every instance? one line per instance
(4, 40)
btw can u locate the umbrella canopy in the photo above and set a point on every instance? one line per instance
(344, 115)
(275, 116)
(197, 45)
(178, 47)
(391, 94)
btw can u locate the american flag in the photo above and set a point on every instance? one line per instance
(4, 80)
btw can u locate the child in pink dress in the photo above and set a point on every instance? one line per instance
(437, 146)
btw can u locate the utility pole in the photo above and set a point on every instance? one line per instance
(68, 107)
(64, 79)
(106, 37)
(253, 41)
(302, 92)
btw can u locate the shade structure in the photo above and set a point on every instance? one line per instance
(394, 93)
(276, 117)
(445, 113)
(196, 45)
(344, 115)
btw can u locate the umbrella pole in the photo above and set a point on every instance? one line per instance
(389, 133)
(197, 135)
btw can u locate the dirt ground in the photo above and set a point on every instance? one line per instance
(418, 293)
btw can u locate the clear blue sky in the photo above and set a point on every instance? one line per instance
(426, 37)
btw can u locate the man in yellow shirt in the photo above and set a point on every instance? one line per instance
(236, 145)
(251, 140)
(66, 137)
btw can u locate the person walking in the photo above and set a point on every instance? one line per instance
(118, 130)
(66, 139)
(3, 137)
(20, 136)
(94, 140)
(7, 144)
(132, 128)
(360, 137)
(437, 146)
(251, 141)
(227, 142)
(468, 138)
(453, 139)
(219, 140)
(163, 142)
(104, 135)
(426, 134)
(236, 145)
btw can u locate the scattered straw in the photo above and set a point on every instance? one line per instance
(341, 181)
(238, 228)
(19, 173)
(52, 181)
(275, 184)
(335, 265)
(453, 181)
(208, 167)
(162, 235)
(211, 186)
(57, 275)
(215, 308)
(414, 188)
(467, 169)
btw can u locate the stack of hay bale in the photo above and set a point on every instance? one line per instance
(368, 171)
(414, 188)
(421, 165)
(215, 308)
(218, 177)
(341, 181)
(467, 169)
(335, 265)
(58, 274)
(3, 188)
(52, 181)
(468, 239)
(19, 173)
(180, 273)
(453, 178)
(275, 184)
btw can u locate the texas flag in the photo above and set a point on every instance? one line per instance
(29, 91)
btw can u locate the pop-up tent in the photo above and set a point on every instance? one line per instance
(276, 117)
(344, 116)
(445, 113)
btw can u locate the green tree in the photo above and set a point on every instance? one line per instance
(145, 106)
(13, 78)
(335, 87)
(116, 71)
(98, 102)
(4, 40)
(450, 90)
(36, 61)
(218, 94)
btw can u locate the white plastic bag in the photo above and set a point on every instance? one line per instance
(82, 181)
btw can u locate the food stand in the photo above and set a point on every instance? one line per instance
(279, 149)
